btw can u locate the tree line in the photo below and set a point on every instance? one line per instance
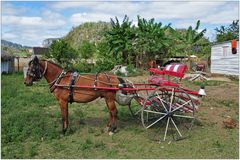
(127, 44)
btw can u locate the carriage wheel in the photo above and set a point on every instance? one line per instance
(168, 114)
(135, 107)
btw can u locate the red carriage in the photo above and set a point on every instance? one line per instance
(166, 109)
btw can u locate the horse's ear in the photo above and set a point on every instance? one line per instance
(35, 59)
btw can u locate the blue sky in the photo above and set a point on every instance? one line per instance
(29, 23)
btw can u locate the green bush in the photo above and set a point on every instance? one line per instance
(83, 67)
(63, 53)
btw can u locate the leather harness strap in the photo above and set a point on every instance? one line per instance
(71, 88)
(108, 78)
(56, 81)
(95, 81)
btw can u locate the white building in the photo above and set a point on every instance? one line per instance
(223, 61)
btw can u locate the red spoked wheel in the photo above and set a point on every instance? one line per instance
(168, 114)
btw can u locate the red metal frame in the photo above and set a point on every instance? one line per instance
(133, 89)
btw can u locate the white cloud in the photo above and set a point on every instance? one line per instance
(9, 36)
(32, 30)
(210, 34)
(9, 9)
(72, 4)
(56, 18)
(49, 20)
(183, 10)
(32, 37)
(184, 24)
(160, 10)
(222, 17)
(80, 18)
(22, 21)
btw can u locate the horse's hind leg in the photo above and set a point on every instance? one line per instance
(112, 122)
(64, 113)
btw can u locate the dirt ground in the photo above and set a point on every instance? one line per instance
(213, 78)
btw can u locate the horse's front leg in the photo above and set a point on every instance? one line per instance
(64, 113)
(112, 122)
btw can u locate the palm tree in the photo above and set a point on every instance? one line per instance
(151, 39)
(120, 38)
(189, 40)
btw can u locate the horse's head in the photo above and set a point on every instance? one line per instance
(33, 72)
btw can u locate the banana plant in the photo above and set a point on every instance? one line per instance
(151, 39)
(120, 38)
(187, 41)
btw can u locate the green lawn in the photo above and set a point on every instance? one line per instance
(31, 127)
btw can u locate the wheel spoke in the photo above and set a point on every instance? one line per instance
(181, 106)
(154, 112)
(176, 127)
(183, 116)
(171, 111)
(156, 121)
(171, 100)
(165, 134)
(162, 102)
(138, 111)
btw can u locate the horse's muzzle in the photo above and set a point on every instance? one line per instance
(28, 83)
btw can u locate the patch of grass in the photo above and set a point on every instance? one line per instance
(91, 130)
(87, 144)
(99, 145)
(31, 128)
(33, 150)
(229, 103)
(124, 113)
(111, 153)
(234, 78)
(218, 145)
(208, 83)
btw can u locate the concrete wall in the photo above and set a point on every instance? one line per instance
(23, 61)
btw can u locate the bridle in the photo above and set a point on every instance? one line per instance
(35, 71)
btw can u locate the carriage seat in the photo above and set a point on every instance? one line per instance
(171, 70)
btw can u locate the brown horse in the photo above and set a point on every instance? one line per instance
(56, 77)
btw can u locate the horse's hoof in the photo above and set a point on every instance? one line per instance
(110, 133)
(107, 129)
(64, 131)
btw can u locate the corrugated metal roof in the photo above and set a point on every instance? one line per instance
(219, 43)
(5, 55)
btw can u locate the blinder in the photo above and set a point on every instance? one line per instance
(34, 71)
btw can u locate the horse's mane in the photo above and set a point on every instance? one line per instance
(53, 63)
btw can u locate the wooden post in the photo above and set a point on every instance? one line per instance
(18, 63)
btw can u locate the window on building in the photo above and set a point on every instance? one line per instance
(225, 50)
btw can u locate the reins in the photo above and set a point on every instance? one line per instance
(45, 69)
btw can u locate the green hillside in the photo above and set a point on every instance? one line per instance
(15, 49)
(90, 31)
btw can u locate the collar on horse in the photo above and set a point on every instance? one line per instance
(56, 81)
